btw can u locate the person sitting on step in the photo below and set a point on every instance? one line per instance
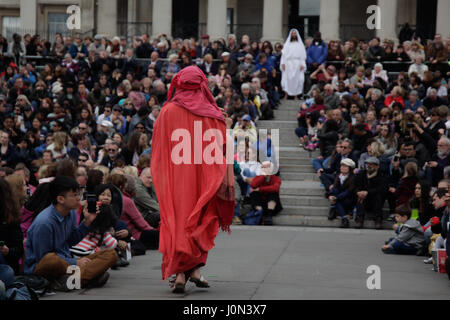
(342, 196)
(265, 193)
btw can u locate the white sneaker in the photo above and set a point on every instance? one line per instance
(428, 261)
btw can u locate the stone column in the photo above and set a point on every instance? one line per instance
(388, 13)
(443, 21)
(28, 16)
(107, 17)
(217, 19)
(273, 21)
(162, 17)
(329, 19)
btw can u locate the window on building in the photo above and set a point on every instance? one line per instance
(230, 20)
(309, 12)
(57, 23)
(10, 25)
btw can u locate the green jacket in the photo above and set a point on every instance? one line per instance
(145, 199)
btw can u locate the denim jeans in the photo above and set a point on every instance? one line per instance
(301, 132)
(400, 248)
(248, 174)
(6, 275)
(320, 163)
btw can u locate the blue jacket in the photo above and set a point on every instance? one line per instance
(73, 50)
(52, 233)
(317, 53)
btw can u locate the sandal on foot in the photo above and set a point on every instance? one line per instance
(200, 283)
(177, 287)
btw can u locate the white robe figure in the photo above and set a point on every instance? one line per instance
(293, 57)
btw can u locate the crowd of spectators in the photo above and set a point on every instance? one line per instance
(80, 128)
(378, 114)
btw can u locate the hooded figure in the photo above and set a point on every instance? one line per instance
(195, 197)
(293, 64)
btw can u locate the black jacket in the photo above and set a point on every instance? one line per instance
(327, 142)
(374, 186)
(11, 234)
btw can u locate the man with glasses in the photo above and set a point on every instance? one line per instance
(328, 175)
(105, 115)
(83, 158)
(55, 230)
(112, 155)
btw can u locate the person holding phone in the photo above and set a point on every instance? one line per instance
(54, 231)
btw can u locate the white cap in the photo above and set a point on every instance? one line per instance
(106, 123)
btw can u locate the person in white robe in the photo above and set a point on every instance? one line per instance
(293, 65)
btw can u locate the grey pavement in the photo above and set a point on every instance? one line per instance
(282, 263)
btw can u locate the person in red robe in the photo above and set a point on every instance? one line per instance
(196, 197)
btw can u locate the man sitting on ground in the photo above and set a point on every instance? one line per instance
(52, 234)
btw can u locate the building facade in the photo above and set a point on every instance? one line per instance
(266, 19)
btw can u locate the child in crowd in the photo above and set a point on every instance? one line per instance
(409, 237)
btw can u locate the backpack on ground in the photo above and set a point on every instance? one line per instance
(39, 284)
(19, 291)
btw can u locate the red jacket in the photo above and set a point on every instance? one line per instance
(389, 100)
(273, 186)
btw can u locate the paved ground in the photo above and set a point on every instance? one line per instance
(283, 263)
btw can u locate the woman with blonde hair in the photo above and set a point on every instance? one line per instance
(374, 149)
(395, 96)
(58, 147)
(131, 171)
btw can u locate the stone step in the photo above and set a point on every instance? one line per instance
(296, 161)
(304, 201)
(316, 221)
(277, 124)
(297, 152)
(301, 188)
(306, 210)
(299, 176)
(296, 168)
(285, 115)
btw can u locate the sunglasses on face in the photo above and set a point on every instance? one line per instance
(111, 150)
(82, 160)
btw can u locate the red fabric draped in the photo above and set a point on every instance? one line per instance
(191, 196)
(193, 94)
